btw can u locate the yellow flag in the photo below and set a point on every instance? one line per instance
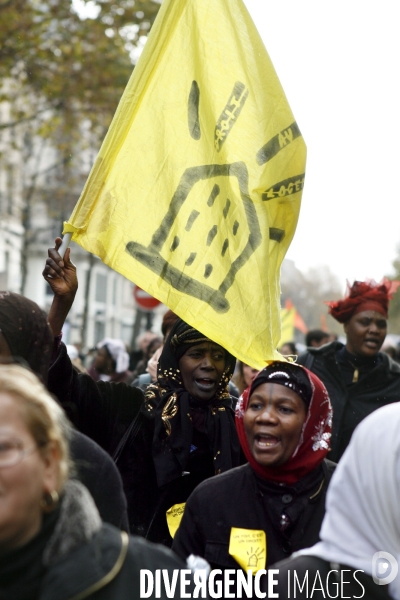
(196, 190)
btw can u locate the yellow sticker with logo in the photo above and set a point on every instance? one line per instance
(174, 516)
(249, 548)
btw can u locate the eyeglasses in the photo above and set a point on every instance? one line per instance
(12, 452)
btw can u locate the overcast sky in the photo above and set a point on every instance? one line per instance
(339, 65)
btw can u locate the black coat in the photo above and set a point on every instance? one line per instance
(104, 411)
(347, 583)
(96, 470)
(351, 404)
(107, 568)
(239, 498)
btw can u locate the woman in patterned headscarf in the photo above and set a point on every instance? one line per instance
(165, 444)
(191, 405)
(283, 421)
(187, 431)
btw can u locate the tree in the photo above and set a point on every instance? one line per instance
(63, 68)
(70, 68)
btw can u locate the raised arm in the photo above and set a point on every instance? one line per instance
(60, 274)
(103, 411)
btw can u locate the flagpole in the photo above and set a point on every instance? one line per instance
(64, 244)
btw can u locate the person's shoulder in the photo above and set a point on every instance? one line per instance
(234, 392)
(82, 447)
(329, 467)
(309, 355)
(127, 555)
(142, 381)
(121, 387)
(301, 565)
(95, 468)
(224, 481)
(390, 364)
(122, 394)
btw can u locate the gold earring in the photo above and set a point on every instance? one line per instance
(49, 501)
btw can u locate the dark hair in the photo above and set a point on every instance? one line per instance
(316, 335)
(150, 349)
(26, 331)
(169, 319)
(292, 346)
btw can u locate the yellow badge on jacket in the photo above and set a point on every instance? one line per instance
(174, 516)
(249, 548)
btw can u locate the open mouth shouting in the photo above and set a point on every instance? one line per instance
(265, 441)
(372, 343)
(202, 367)
(206, 384)
(273, 423)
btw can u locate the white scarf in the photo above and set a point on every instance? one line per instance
(363, 500)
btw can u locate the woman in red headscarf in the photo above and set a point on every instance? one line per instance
(258, 513)
(358, 377)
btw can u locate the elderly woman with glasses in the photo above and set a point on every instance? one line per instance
(53, 543)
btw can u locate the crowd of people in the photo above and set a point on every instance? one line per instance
(103, 469)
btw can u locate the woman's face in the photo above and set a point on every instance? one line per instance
(201, 368)
(365, 332)
(22, 485)
(103, 362)
(249, 374)
(273, 423)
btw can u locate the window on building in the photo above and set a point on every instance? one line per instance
(99, 331)
(101, 288)
(115, 287)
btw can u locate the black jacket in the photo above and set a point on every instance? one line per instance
(336, 581)
(104, 411)
(108, 568)
(351, 404)
(239, 498)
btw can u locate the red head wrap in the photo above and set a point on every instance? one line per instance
(364, 295)
(315, 436)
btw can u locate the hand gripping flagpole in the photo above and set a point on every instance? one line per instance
(64, 244)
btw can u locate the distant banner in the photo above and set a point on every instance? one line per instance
(291, 320)
(287, 331)
(196, 191)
